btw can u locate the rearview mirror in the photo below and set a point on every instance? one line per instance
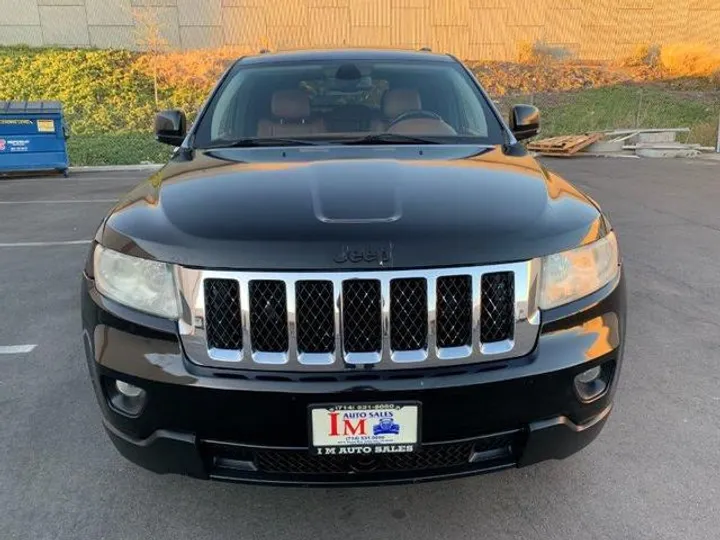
(170, 127)
(524, 121)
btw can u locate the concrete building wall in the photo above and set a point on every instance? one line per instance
(471, 29)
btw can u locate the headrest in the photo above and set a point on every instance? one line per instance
(397, 102)
(290, 104)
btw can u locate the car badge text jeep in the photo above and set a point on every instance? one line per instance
(382, 255)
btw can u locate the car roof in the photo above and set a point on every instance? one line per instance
(345, 54)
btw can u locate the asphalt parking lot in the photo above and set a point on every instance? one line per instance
(653, 473)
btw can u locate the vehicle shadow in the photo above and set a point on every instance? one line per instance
(540, 502)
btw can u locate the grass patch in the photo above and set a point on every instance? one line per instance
(627, 107)
(116, 149)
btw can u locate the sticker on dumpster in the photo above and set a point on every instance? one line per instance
(46, 126)
(15, 122)
(2, 145)
(18, 145)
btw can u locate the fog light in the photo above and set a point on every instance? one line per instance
(125, 398)
(592, 383)
(589, 376)
(129, 390)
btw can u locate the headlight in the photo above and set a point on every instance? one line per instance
(144, 285)
(573, 274)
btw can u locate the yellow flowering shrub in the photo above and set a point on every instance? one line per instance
(690, 60)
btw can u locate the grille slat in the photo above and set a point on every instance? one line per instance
(497, 319)
(268, 316)
(315, 317)
(223, 317)
(362, 326)
(408, 314)
(454, 311)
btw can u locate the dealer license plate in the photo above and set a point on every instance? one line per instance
(367, 428)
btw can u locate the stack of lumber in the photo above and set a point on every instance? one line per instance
(565, 146)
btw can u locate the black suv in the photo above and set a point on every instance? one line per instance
(351, 272)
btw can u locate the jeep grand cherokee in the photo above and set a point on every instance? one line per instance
(351, 272)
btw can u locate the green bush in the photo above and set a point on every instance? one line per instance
(101, 90)
(108, 99)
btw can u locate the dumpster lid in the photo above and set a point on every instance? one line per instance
(29, 107)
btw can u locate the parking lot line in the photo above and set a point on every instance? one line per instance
(69, 181)
(63, 201)
(16, 349)
(45, 244)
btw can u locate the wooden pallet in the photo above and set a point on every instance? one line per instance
(564, 146)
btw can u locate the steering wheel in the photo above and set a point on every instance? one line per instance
(409, 115)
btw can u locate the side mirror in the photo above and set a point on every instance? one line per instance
(170, 127)
(524, 121)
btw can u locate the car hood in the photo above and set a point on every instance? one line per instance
(318, 208)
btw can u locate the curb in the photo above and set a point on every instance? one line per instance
(117, 168)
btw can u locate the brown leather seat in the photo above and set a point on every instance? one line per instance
(394, 103)
(401, 101)
(291, 116)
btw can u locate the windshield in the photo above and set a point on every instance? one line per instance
(337, 101)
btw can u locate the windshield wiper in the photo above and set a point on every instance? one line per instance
(251, 142)
(388, 138)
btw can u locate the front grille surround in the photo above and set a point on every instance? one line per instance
(305, 354)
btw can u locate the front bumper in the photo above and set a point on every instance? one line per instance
(171, 452)
(253, 428)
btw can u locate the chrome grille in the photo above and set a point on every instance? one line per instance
(362, 327)
(337, 321)
(454, 311)
(408, 314)
(498, 303)
(315, 321)
(268, 316)
(224, 329)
